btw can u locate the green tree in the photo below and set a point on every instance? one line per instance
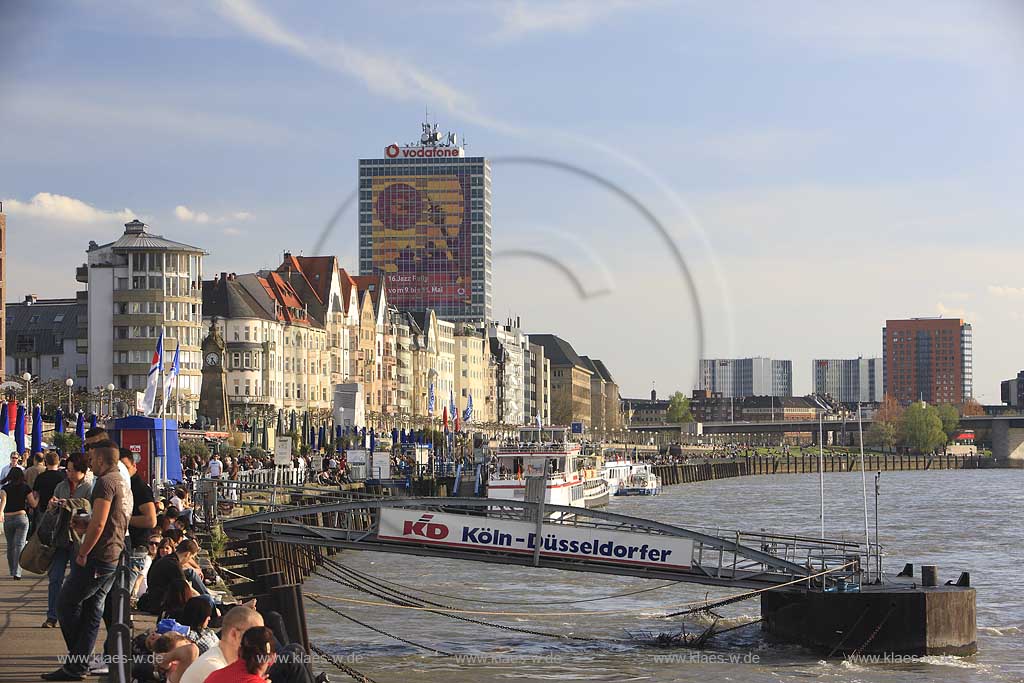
(194, 448)
(679, 409)
(950, 417)
(67, 442)
(921, 428)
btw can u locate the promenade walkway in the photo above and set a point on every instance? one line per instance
(26, 650)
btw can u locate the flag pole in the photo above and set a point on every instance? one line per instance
(163, 417)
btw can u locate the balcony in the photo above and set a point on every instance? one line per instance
(82, 274)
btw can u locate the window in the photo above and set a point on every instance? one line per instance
(55, 362)
(59, 318)
(236, 360)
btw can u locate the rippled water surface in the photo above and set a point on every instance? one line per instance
(958, 520)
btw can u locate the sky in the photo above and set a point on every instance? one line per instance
(670, 180)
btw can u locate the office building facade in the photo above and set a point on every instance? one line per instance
(848, 380)
(737, 377)
(928, 359)
(425, 227)
(138, 285)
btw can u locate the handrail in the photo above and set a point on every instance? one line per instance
(119, 633)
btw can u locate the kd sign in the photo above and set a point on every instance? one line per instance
(425, 529)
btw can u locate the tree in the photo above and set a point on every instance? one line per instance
(971, 407)
(679, 409)
(561, 408)
(950, 417)
(67, 442)
(921, 428)
(196, 448)
(884, 430)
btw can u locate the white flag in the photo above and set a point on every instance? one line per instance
(149, 401)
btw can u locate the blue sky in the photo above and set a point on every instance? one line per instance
(819, 166)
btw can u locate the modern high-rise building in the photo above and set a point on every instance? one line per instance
(849, 380)
(140, 284)
(928, 359)
(425, 226)
(736, 377)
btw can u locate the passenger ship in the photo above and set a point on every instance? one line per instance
(570, 479)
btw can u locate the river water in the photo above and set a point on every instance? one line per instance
(957, 520)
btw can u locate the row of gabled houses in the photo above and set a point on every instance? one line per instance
(296, 335)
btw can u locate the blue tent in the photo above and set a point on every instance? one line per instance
(19, 429)
(305, 428)
(58, 422)
(280, 422)
(37, 430)
(80, 428)
(291, 423)
(92, 421)
(155, 426)
(373, 440)
(321, 438)
(5, 421)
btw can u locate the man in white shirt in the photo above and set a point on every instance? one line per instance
(15, 463)
(216, 467)
(236, 622)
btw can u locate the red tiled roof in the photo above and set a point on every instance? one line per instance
(293, 264)
(287, 299)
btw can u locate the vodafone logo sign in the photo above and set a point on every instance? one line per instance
(393, 151)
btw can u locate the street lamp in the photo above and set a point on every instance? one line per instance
(69, 383)
(28, 389)
(110, 388)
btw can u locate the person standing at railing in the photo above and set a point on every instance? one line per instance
(215, 468)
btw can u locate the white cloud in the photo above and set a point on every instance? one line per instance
(187, 215)
(232, 232)
(954, 312)
(522, 18)
(59, 207)
(1008, 292)
(388, 76)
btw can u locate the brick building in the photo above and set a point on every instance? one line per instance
(927, 359)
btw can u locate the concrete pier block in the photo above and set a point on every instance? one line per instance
(899, 621)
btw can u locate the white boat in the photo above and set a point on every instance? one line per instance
(570, 480)
(642, 482)
(616, 472)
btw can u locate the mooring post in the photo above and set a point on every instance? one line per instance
(535, 494)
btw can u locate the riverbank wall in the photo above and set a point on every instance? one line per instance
(724, 468)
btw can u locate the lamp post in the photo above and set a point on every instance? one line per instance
(28, 389)
(69, 383)
(110, 388)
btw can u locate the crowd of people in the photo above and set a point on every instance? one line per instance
(91, 511)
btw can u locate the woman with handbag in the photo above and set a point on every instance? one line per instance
(16, 499)
(77, 484)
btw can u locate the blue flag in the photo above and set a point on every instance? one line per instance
(467, 414)
(430, 400)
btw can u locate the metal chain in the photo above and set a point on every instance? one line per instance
(459, 617)
(874, 633)
(357, 675)
(377, 630)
